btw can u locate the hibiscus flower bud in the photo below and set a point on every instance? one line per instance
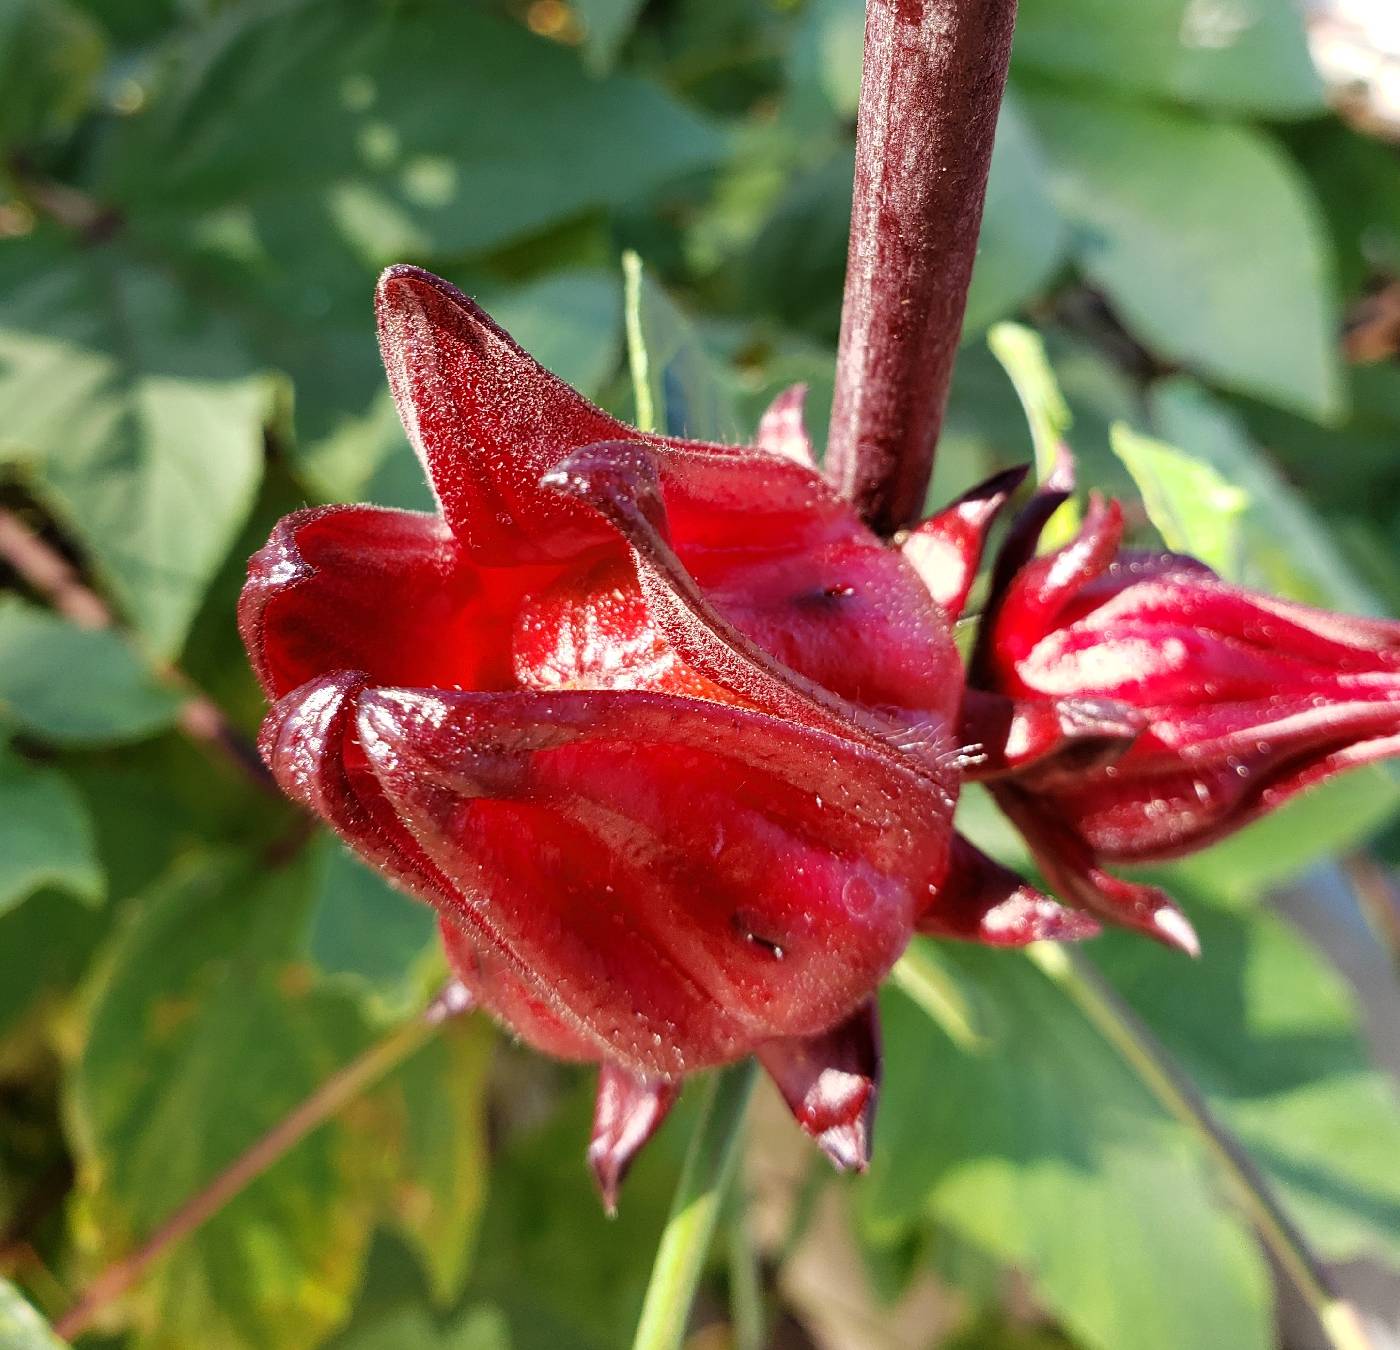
(664, 732)
(1135, 706)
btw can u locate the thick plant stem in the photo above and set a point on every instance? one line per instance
(1129, 1035)
(934, 75)
(695, 1211)
(337, 1091)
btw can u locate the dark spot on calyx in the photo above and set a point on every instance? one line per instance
(768, 946)
(826, 596)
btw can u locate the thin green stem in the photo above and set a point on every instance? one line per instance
(747, 1315)
(920, 975)
(1076, 976)
(695, 1210)
(637, 360)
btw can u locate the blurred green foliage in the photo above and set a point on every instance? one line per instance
(195, 197)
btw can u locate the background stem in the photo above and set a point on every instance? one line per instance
(336, 1092)
(695, 1210)
(747, 1314)
(50, 574)
(931, 86)
(1130, 1036)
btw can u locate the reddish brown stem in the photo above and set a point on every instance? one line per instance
(1379, 896)
(337, 1091)
(50, 573)
(89, 219)
(52, 576)
(935, 72)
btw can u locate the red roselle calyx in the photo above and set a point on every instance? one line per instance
(1134, 706)
(664, 732)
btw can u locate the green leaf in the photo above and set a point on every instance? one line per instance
(1357, 474)
(1357, 180)
(139, 415)
(376, 938)
(1024, 239)
(1194, 508)
(156, 801)
(381, 161)
(1161, 203)
(1022, 355)
(1271, 1034)
(481, 1328)
(440, 1190)
(992, 1333)
(985, 431)
(678, 386)
(316, 327)
(21, 1328)
(796, 263)
(1248, 57)
(943, 992)
(606, 26)
(75, 686)
(1040, 1146)
(826, 54)
(132, 21)
(51, 55)
(203, 1033)
(45, 835)
(45, 945)
(1286, 547)
(565, 1275)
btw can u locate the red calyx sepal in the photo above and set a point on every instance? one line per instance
(830, 1083)
(946, 549)
(782, 430)
(487, 420)
(630, 1108)
(1042, 739)
(982, 901)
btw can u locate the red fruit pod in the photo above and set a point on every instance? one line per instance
(661, 728)
(688, 879)
(1229, 703)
